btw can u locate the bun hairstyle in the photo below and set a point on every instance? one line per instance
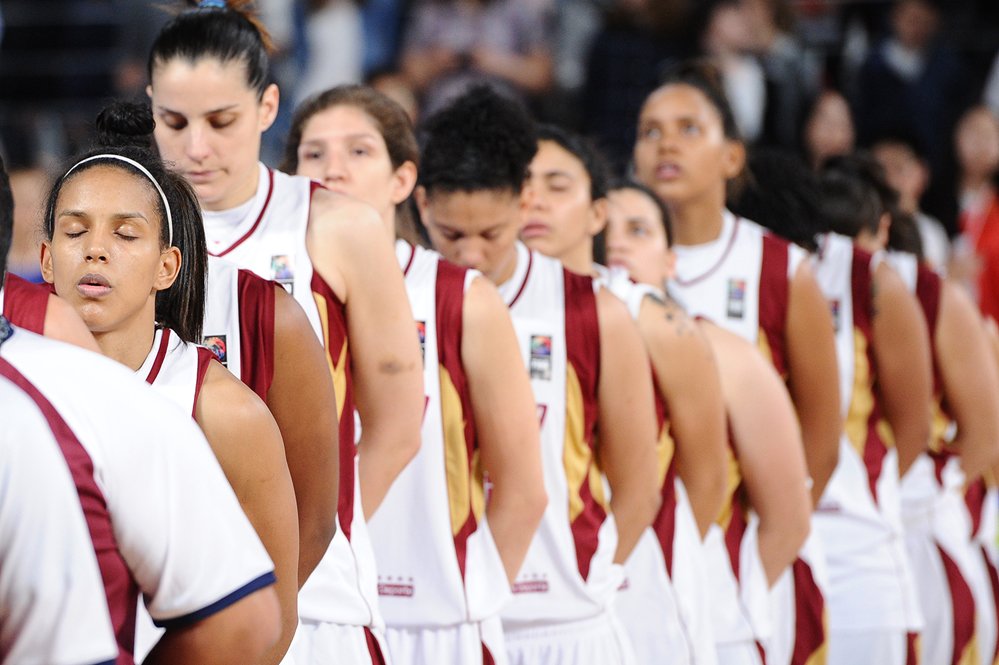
(480, 141)
(227, 30)
(125, 132)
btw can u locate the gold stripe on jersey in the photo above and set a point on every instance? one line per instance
(665, 449)
(861, 397)
(459, 491)
(731, 487)
(970, 654)
(938, 428)
(338, 372)
(577, 456)
(764, 346)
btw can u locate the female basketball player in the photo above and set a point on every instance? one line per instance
(210, 92)
(731, 271)
(590, 379)
(355, 140)
(124, 245)
(762, 428)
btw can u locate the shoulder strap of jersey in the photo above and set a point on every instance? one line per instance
(256, 331)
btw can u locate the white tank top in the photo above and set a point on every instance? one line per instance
(270, 242)
(569, 572)
(437, 562)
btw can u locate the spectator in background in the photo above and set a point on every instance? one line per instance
(334, 42)
(913, 82)
(829, 130)
(976, 251)
(450, 45)
(638, 40)
(908, 174)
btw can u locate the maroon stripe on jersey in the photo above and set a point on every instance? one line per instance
(337, 331)
(762, 652)
(120, 588)
(374, 649)
(994, 585)
(962, 606)
(734, 534)
(582, 345)
(664, 525)
(774, 298)
(205, 358)
(450, 299)
(260, 218)
(809, 609)
(487, 658)
(161, 352)
(256, 331)
(409, 263)
(911, 648)
(527, 276)
(25, 304)
(974, 498)
(862, 288)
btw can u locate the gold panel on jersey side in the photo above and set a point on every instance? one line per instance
(576, 453)
(665, 449)
(861, 396)
(338, 372)
(455, 453)
(734, 479)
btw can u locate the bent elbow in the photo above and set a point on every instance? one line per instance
(260, 627)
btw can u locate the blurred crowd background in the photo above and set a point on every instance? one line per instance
(816, 76)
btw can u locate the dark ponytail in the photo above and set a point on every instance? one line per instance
(227, 31)
(125, 130)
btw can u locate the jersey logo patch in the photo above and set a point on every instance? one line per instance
(834, 308)
(736, 299)
(535, 583)
(397, 587)
(541, 357)
(421, 331)
(283, 271)
(216, 344)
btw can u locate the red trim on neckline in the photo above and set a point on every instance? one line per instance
(260, 217)
(527, 274)
(718, 263)
(412, 257)
(154, 371)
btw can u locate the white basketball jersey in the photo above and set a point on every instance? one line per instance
(168, 524)
(662, 601)
(437, 562)
(271, 242)
(176, 369)
(569, 572)
(858, 517)
(51, 592)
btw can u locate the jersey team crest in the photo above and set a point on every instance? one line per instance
(217, 345)
(283, 270)
(541, 357)
(421, 331)
(736, 308)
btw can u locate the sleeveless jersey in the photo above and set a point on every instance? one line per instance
(673, 533)
(271, 243)
(24, 304)
(239, 323)
(51, 591)
(144, 475)
(932, 490)
(437, 562)
(176, 369)
(569, 572)
(858, 517)
(741, 282)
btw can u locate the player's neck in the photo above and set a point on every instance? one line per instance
(129, 344)
(699, 221)
(579, 259)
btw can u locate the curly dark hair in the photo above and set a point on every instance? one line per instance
(480, 141)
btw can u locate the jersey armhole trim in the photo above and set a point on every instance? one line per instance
(257, 584)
